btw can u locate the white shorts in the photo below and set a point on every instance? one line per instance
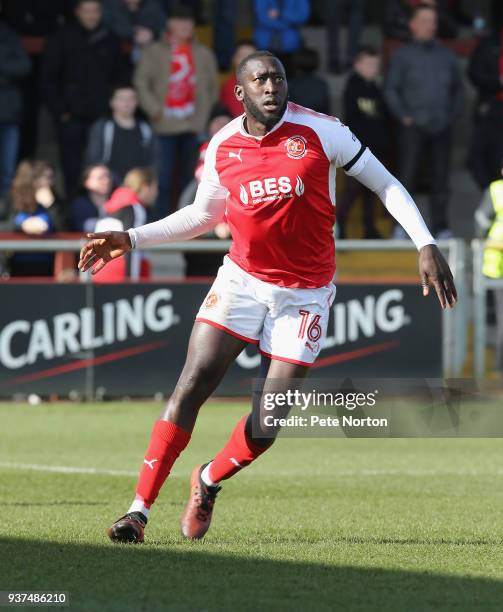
(287, 324)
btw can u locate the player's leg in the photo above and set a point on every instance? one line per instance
(291, 338)
(228, 320)
(247, 442)
(210, 353)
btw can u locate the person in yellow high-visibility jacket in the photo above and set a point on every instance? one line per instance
(489, 222)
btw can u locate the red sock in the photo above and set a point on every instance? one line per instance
(239, 452)
(167, 441)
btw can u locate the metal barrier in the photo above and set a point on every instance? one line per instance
(454, 321)
(481, 284)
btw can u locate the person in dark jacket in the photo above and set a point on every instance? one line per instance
(14, 64)
(138, 21)
(122, 142)
(365, 111)
(305, 87)
(424, 92)
(80, 62)
(87, 207)
(486, 73)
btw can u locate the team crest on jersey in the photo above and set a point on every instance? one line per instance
(296, 147)
(211, 301)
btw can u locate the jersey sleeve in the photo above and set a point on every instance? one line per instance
(210, 187)
(349, 153)
(341, 146)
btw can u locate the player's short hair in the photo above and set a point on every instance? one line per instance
(366, 51)
(253, 56)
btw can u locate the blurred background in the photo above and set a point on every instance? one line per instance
(106, 109)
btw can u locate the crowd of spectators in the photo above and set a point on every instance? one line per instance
(133, 97)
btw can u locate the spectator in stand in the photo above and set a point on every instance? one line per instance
(424, 91)
(46, 194)
(80, 62)
(138, 21)
(126, 208)
(336, 9)
(87, 207)
(365, 111)
(398, 13)
(206, 264)
(489, 224)
(31, 217)
(486, 73)
(227, 96)
(14, 64)
(225, 15)
(305, 87)
(277, 26)
(35, 18)
(177, 84)
(122, 142)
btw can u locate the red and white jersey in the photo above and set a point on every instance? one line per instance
(280, 193)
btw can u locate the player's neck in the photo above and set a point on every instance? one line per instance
(255, 127)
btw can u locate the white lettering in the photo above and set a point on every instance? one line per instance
(9, 331)
(158, 318)
(66, 329)
(40, 342)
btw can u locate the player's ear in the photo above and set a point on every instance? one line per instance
(238, 92)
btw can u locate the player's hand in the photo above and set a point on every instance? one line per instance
(102, 248)
(435, 272)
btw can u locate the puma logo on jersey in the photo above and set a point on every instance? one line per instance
(270, 189)
(236, 155)
(150, 463)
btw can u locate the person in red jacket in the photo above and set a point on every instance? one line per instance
(127, 208)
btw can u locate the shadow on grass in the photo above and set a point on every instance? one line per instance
(195, 576)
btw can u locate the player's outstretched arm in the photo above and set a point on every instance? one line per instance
(433, 268)
(102, 248)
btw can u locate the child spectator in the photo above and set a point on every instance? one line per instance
(31, 218)
(227, 96)
(122, 142)
(87, 208)
(365, 112)
(46, 195)
(126, 208)
(306, 88)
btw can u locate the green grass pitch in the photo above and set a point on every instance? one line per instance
(315, 524)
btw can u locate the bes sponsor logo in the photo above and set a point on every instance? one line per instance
(270, 189)
(296, 147)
